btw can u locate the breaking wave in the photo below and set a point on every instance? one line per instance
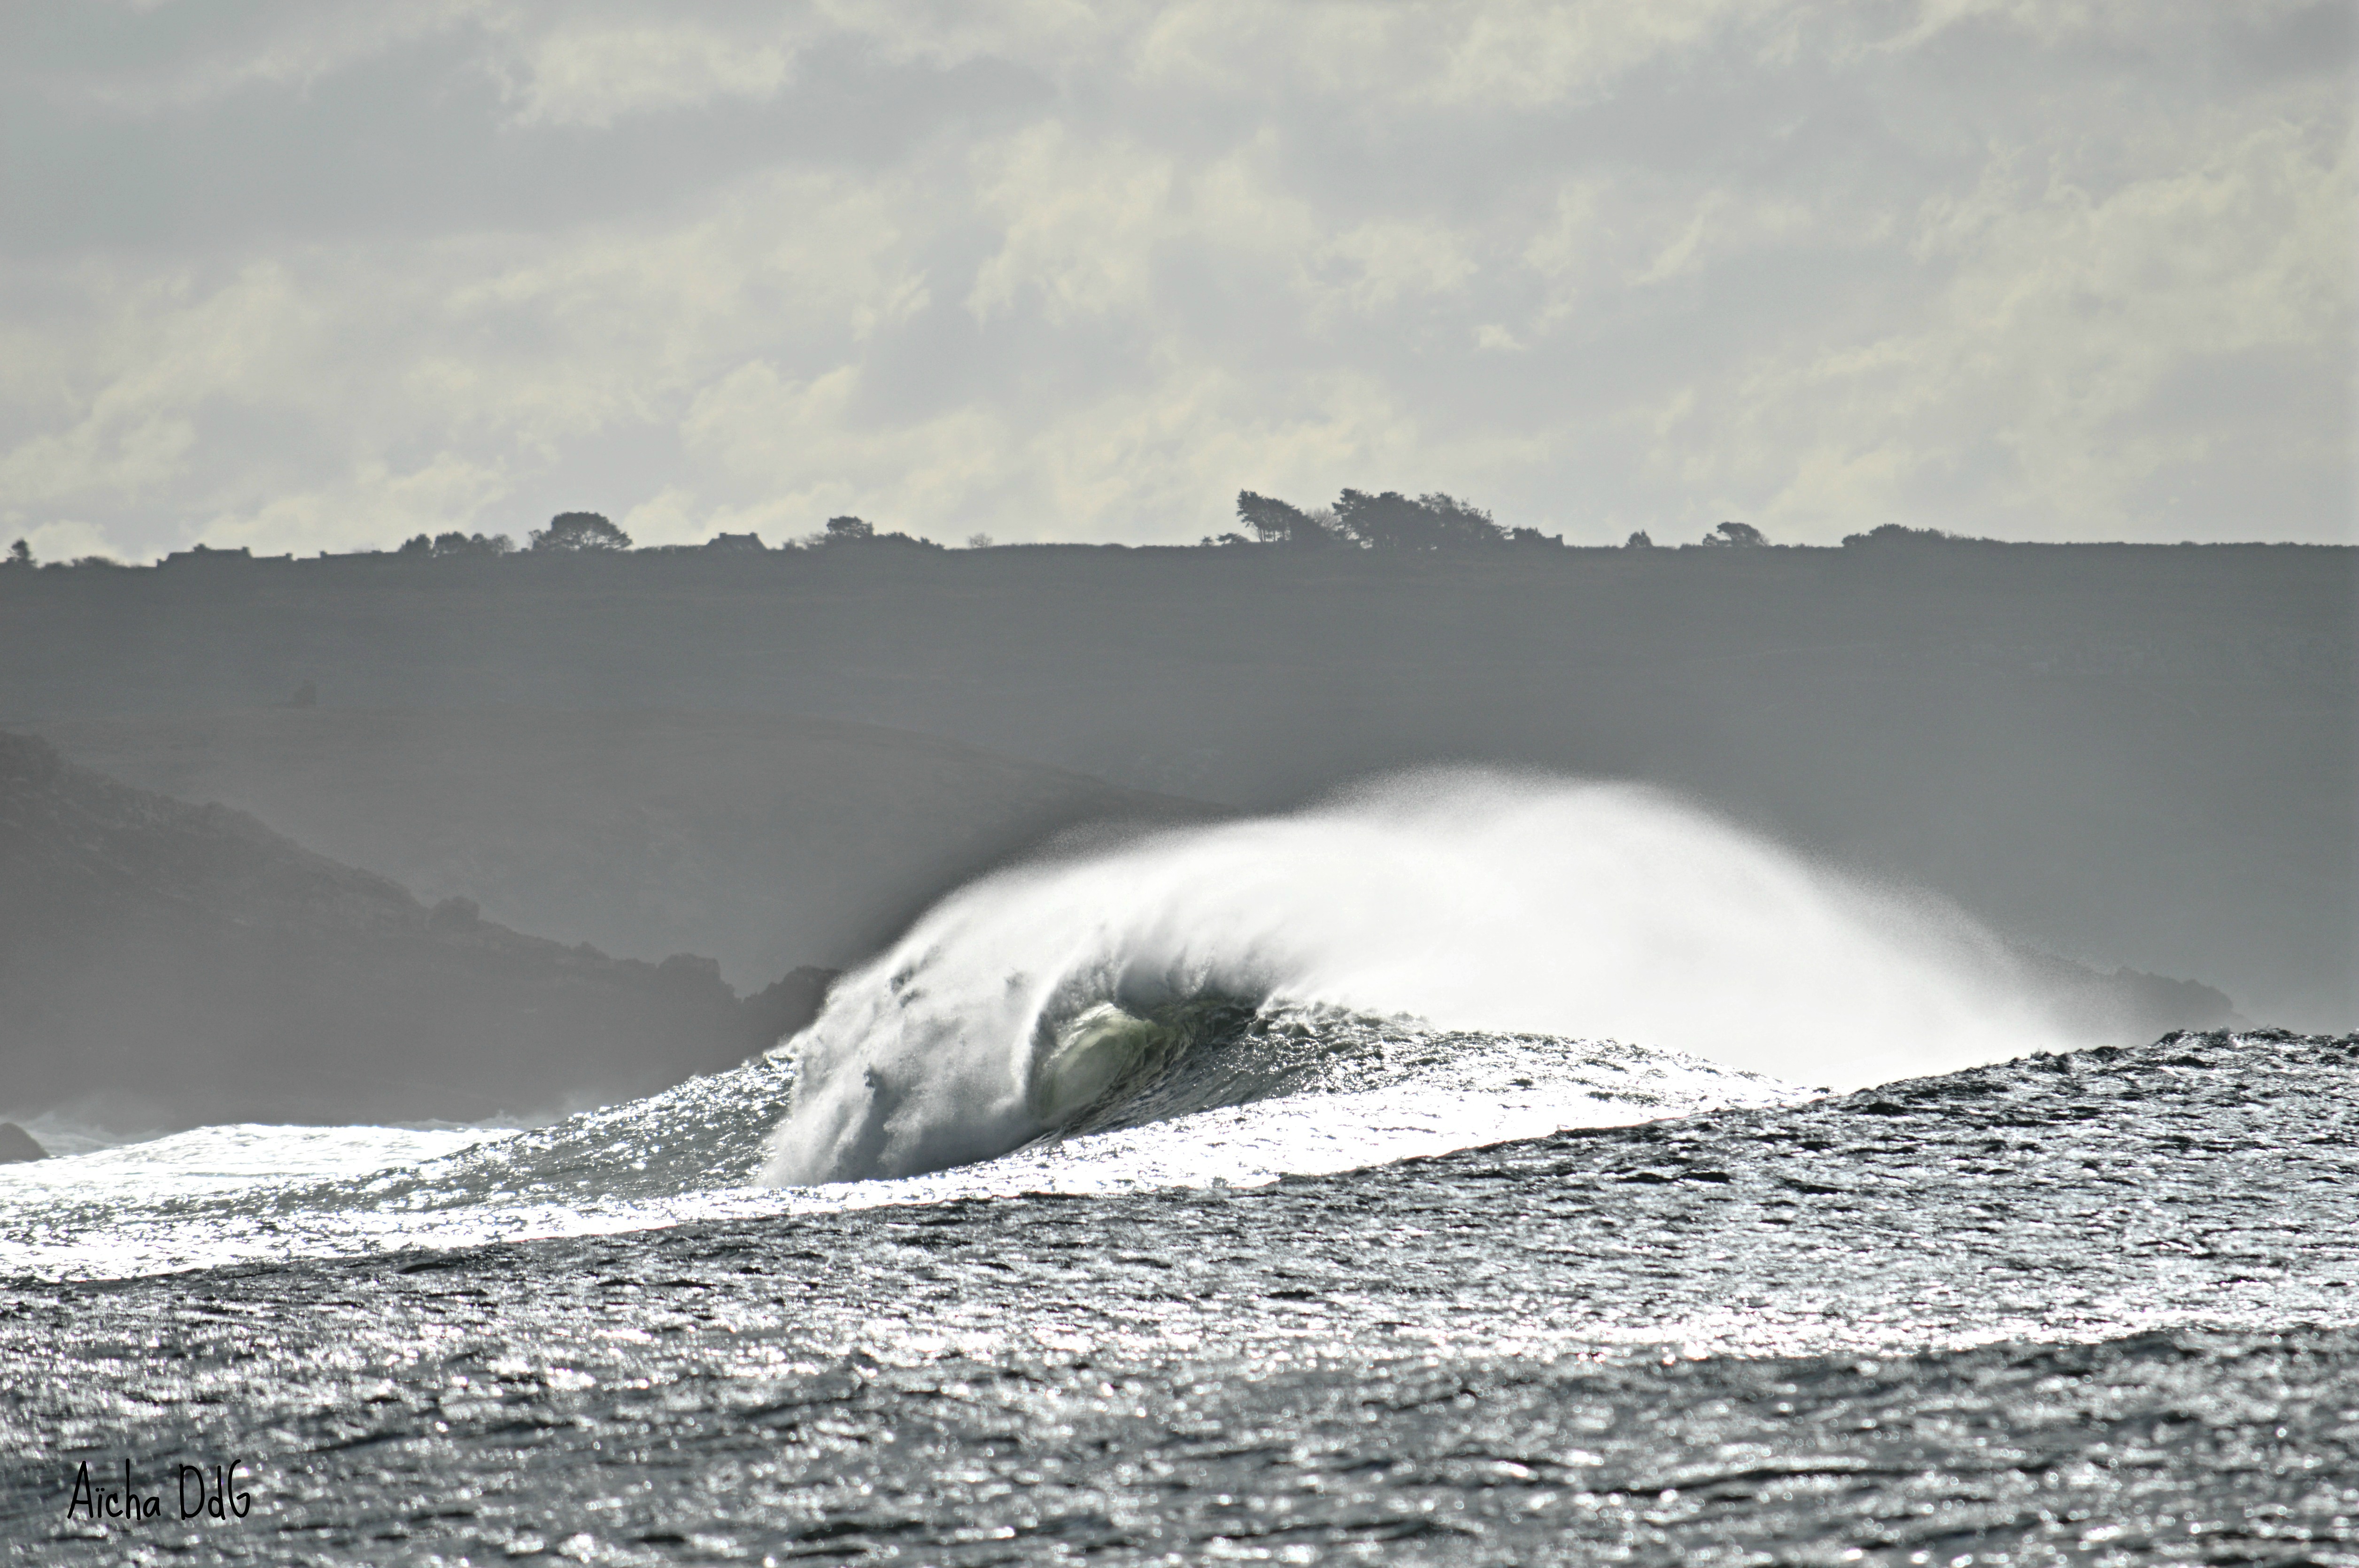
(1190, 969)
(694, 1152)
(1437, 963)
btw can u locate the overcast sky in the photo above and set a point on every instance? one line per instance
(318, 276)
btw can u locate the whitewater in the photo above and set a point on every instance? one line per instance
(1431, 963)
(1467, 1169)
(1475, 901)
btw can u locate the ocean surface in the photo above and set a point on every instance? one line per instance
(1247, 1198)
(2099, 1307)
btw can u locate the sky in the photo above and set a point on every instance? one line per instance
(319, 274)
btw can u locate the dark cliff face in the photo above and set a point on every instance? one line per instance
(167, 964)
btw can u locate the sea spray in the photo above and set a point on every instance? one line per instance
(1475, 900)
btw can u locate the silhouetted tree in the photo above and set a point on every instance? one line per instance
(1459, 524)
(1895, 533)
(1274, 521)
(19, 555)
(1429, 522)
(580, 531)
(1392, 521)
(841, 531)
(455, 543)
(1736, 534)
(458, 544)
(1638, 540)
(1388, 522)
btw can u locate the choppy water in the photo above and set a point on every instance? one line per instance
(1387, 1089)
(1144, 1207)
(2095, 1308)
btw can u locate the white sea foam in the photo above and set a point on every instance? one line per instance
(208, 1161)
(225, 1195)
(1431, 965)
(1473, 899)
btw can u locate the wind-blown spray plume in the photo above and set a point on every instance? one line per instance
(1033, 1000)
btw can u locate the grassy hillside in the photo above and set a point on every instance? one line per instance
(166, 964)
(2136, 755)
(765, 842)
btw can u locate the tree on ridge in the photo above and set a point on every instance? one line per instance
(1274, 521)
(1389, 521)
(580, 531)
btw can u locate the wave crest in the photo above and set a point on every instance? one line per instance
(1170, 974)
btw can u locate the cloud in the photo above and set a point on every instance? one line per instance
(1492, 55)
(163, 358)
(374, 499)
(805, 448)
(2064, 315)
(67, 539)
(1047, 269)
(593, 72)
(1079, 221)
(239, 48)
(2062, 22)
